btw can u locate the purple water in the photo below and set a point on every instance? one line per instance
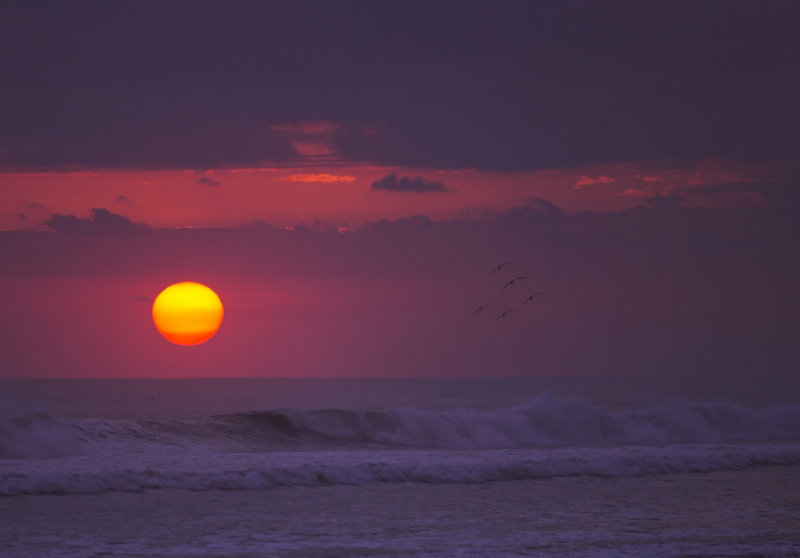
(388, 467)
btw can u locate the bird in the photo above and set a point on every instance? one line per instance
(499, 267)
(480, 308)
(530, 298)
(504, 314)
(515, 279)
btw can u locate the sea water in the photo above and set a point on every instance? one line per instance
(343, 467)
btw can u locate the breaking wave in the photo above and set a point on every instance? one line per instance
(35, 436)
(542, 422)
(543, 438)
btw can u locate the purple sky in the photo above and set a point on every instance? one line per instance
(346, 174)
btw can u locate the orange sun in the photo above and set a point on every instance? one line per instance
(187, 313)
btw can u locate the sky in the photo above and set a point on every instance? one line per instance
(345, 175)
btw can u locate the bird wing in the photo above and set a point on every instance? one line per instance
(499, 267)
(530, 298)
(504, 314)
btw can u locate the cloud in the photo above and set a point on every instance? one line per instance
(400, 226)
(307, 127)
(123, 200)
(318, 178)
(728, 194)
(311, 139)
(649, 178)
(394, 183)
(542, 205)
(533, 212)
(635, 192)
(132, 117)
(100, 222)
(313, 148)
(31, 210)
(141, 298)
(208, 181)
(671, 202)
(589, 181)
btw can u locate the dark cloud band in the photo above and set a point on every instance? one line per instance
(394, 183)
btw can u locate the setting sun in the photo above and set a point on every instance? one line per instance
(187, 313)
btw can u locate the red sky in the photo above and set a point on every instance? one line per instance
(345, 176)
(661, 289)
(341, 195)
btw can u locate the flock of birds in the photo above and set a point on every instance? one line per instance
(510, 283)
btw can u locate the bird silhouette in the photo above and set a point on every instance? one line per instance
(480, 308)
(499, 267)
(504, 314)
(530, 298)
(514, 280)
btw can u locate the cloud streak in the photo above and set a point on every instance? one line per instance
(589, 181)
(324, 177)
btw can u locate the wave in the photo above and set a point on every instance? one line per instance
(542, 422)
(35, 436)
(291, 469)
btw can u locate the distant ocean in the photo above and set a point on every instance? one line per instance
(387, 467)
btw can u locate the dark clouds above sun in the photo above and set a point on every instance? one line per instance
(510, 86)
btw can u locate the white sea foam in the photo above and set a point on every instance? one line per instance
(543, 438)
(248, 471)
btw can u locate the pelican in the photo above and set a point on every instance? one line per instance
(515, 279)
(499, 267)
(530, 298)
(504, 314)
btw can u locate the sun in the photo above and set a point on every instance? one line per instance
(187, 313)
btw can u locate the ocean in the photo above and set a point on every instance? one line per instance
(400, 467)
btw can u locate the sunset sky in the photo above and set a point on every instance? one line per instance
(345, 175)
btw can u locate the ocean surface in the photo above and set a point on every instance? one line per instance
(400, 467)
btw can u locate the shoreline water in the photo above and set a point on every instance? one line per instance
(727, 513)
(397, 468)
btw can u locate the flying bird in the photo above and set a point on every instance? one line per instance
(514, 280)
(504, 314)
(530, 298)
(499, 267)
(480, 308)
